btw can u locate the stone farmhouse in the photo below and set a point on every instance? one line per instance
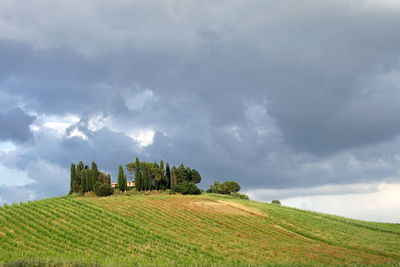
(128, 183)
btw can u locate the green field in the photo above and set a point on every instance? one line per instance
(203, 230)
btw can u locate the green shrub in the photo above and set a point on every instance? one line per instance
(240, 196)
(276, 202)
(102, 189)
(186, 188)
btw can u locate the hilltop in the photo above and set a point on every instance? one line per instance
(208, 229)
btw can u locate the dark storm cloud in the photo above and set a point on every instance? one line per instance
(106, 147)
(272, 94)
(47, 160)
(15, 125)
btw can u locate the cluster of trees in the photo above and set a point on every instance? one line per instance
(85, 179)
(276, 202)
(227, 188)
(148, 176)
(153, 176)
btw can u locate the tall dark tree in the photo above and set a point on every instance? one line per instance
(168, 176)
(156, 177)
(174, 176)
(80, 166)
(125, 182)
(138, 176)
(163, 181)
(109, 179)
(121, 179)
(89, 186)
(73, 179)
(82, 175)
(188, 173)
(146, 176)
(181, 174)
(150, 178)
(196, 178)
(88, 177)
(94, 174)
(79, 175)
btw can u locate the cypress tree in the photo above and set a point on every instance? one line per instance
(188, 173)
(80, 166)
(144, 173)
(79, 176)
(163, 182)
(146, 177)
(174, 176)
(84, 180)
(156, 176)
(149, 178)
(181, 174)
(138, 176)
(109, 179)
(95, 174)
(168, 176)
(73, 178)
(125, 183)
(196, 178)
(88, 180)
(121, 179)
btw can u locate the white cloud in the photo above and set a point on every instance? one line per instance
(144, 137)
(54, 122)
(76, 133)
(97, 122)
(59, 127)
(59, 124)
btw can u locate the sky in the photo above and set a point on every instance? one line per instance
(296, 100)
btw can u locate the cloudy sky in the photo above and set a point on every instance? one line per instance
(295, 100)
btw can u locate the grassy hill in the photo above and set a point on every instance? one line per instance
(184, 230)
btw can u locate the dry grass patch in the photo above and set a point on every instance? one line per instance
(243, 208)
(218, 207)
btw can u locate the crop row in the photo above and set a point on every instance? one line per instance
(241, 236)
(66, 228)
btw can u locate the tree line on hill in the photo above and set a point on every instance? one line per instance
(85, 179)
(148, 176)
(153, 176)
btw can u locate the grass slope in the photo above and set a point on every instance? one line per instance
(185, 230)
